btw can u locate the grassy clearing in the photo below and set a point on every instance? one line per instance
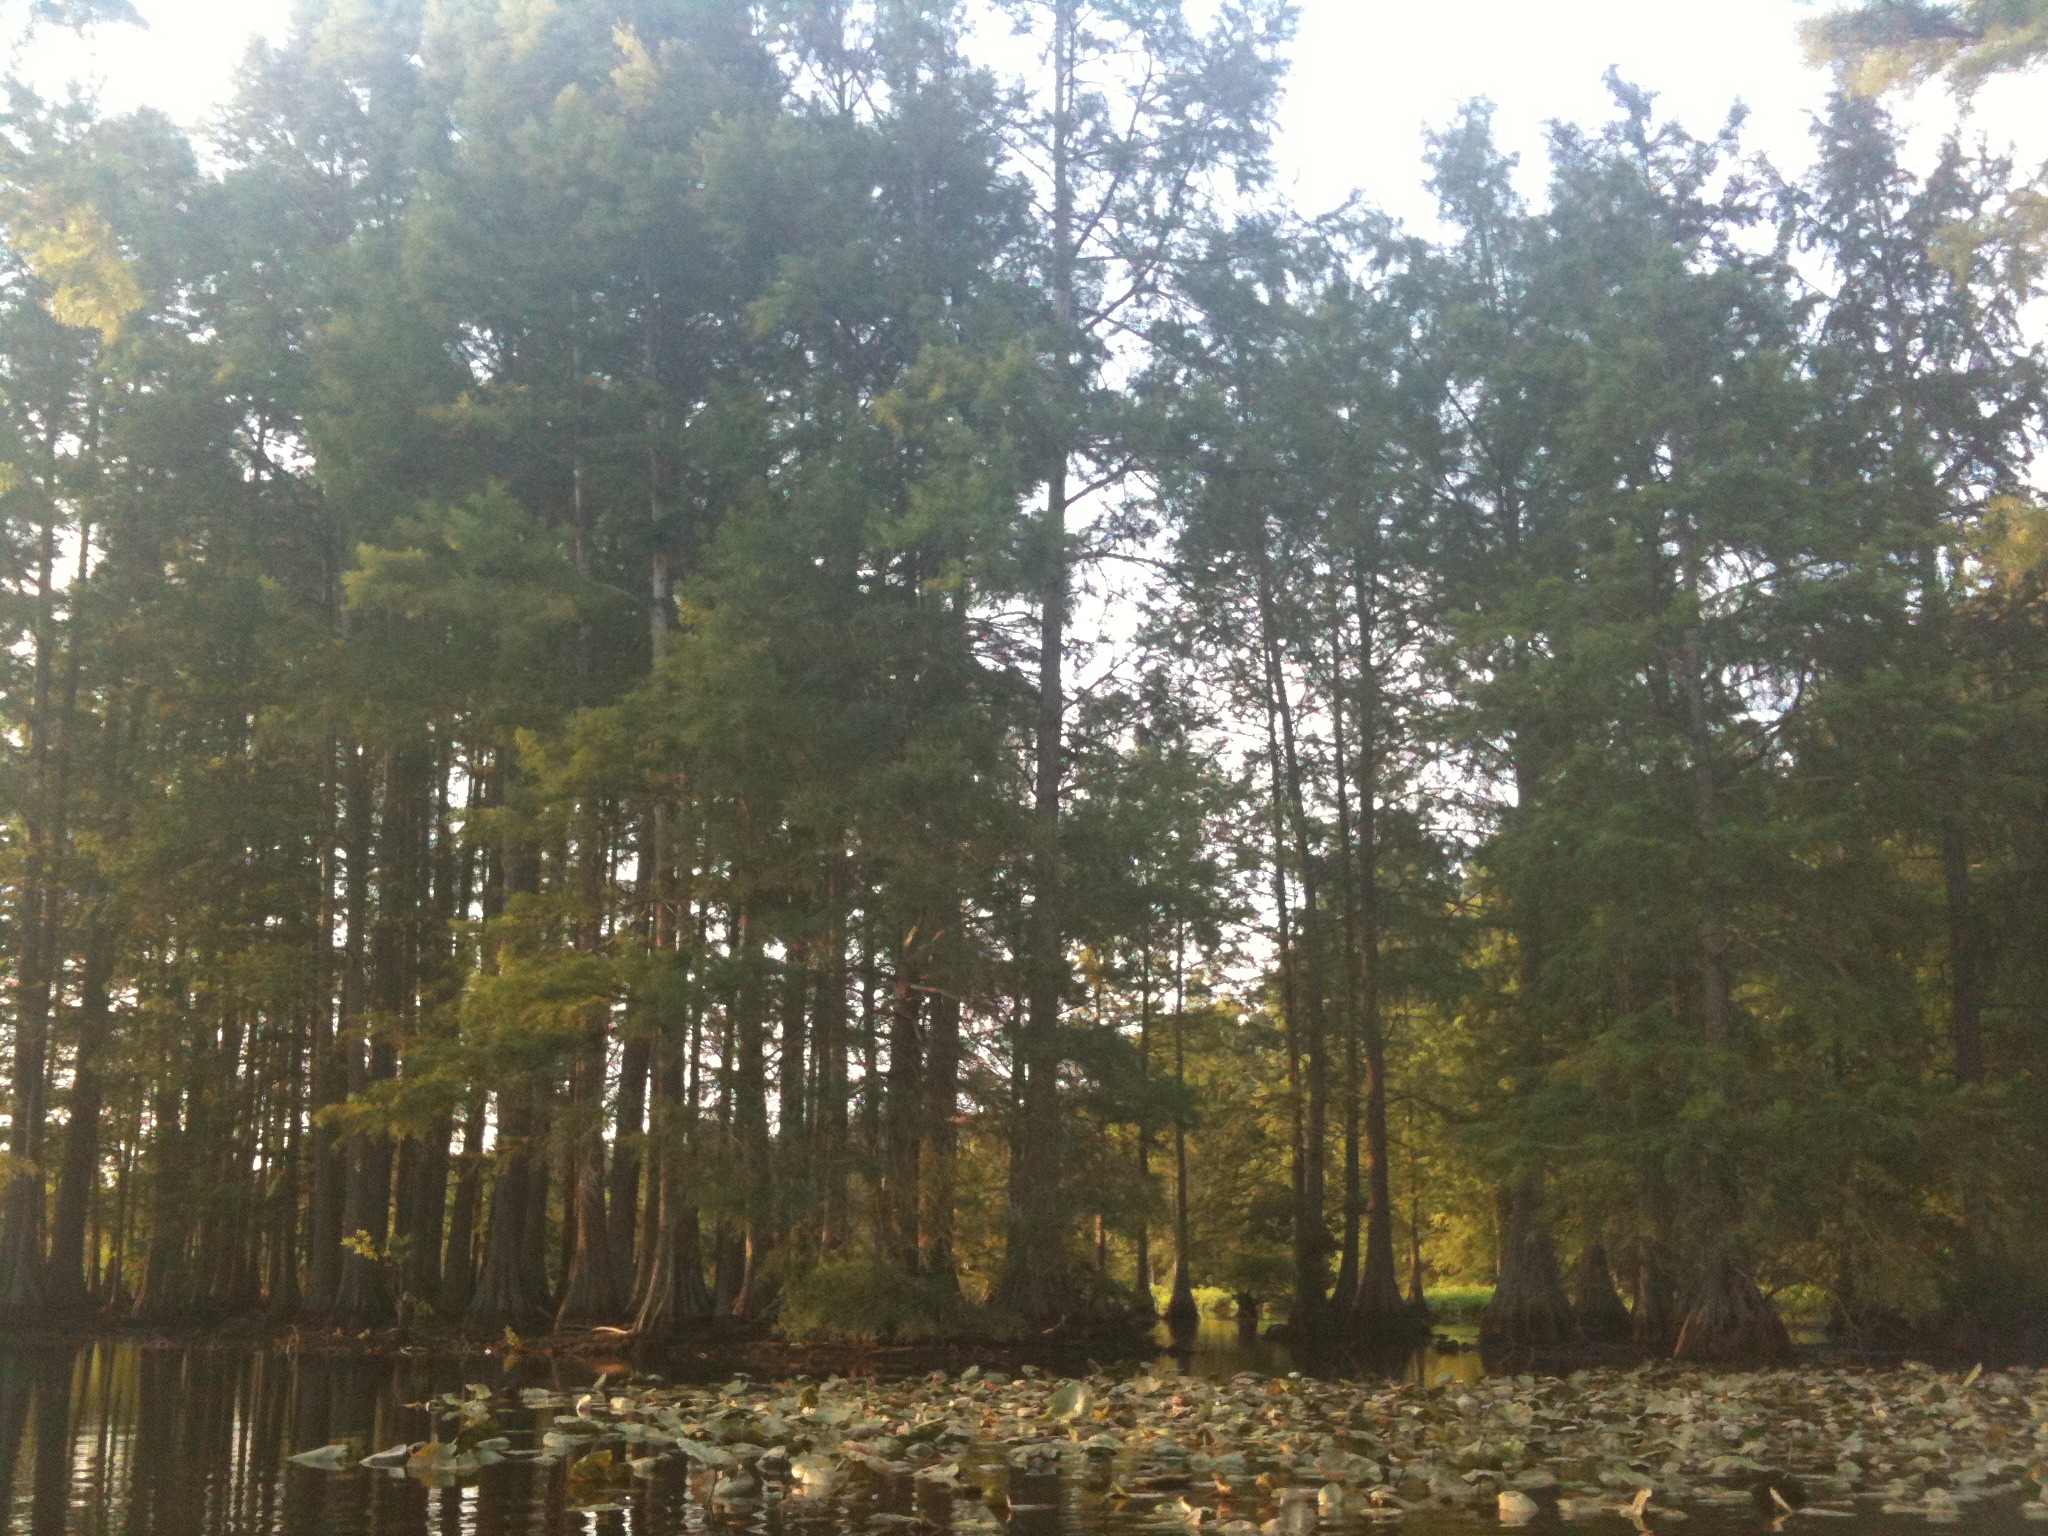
(1458, 1305)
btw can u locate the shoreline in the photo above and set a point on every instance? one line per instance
(726, 1349)
(733, 1349)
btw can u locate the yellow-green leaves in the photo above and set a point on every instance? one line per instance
(636, 77)
(527, 23)
(75, 255)
(1880, 45)
(2020, 544)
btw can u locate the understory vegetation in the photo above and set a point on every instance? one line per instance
(810, 665)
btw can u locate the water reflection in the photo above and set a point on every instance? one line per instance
(192, 1441)
(1217, 1350)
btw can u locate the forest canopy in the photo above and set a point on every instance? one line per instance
(674, 662)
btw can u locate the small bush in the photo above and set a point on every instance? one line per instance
(863, 1300)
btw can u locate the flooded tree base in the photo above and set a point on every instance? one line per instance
(1731, 1322)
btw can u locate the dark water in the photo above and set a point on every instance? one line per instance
(115, 1437)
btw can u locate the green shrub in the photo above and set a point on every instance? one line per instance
(1458, 1304)
(863, 1300)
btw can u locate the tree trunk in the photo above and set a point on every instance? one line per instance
(35, 964)
(1529, 1310)
(1183, 1317)
(905, 1120)
(673, 1297)
(591, 1292)
(1380, 1310)
(1965, 982)
(1311, 1239)
(1728, 1321)
(68, 1285)
(941, 1141)
(622, 1198)
(337, 1048)
(1418, 1295)
(363, 1296)
(423, 1193)
(1726, 1318)
(161, 1295)
(1356, 876)
(729, 1278)
(1597, 1308)
(504, 1296)
(829, 1077)
(1655, 1314)
(793, 1174)
(750, 1121)
(1037, 1282)
(1141, 1234)
(458, 1261)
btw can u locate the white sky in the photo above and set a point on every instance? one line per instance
(1368, 74)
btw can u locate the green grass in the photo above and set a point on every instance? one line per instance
(1211, 1300)
(1458, 1304)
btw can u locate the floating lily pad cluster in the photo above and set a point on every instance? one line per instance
(1284, 1455)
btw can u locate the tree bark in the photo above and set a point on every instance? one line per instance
(504, 1297)
(1726, 1318)
(593, 1288)
(1379, 1309)
(941, 1140)
(673, 1296)
(1141, 1235)
(1597, 1308)
(1965, 979)
(1182, 1315)
(69, 1286)
(1311, 1239)
(1529, 1310)
(363, 1295)
(337, 1046)
(1654, 1321)
(1037, 1282)
(458, 1260)
(591, 1292)
(622, 1196)
(423, 1197)
(750, 1120)
(905, 1113)
(35, 966)
(161, 1295)
(829, 1077)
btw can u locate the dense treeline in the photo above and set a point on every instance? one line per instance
(686, 660)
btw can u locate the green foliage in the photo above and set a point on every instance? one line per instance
(860, 1299)
(1880, 44)
(541, 593)
(1458, 1306)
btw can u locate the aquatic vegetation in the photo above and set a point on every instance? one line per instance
(1280, 1455)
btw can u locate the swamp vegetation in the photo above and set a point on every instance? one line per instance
(209, 1440)
(675, 666)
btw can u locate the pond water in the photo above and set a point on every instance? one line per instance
(117, 1437)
